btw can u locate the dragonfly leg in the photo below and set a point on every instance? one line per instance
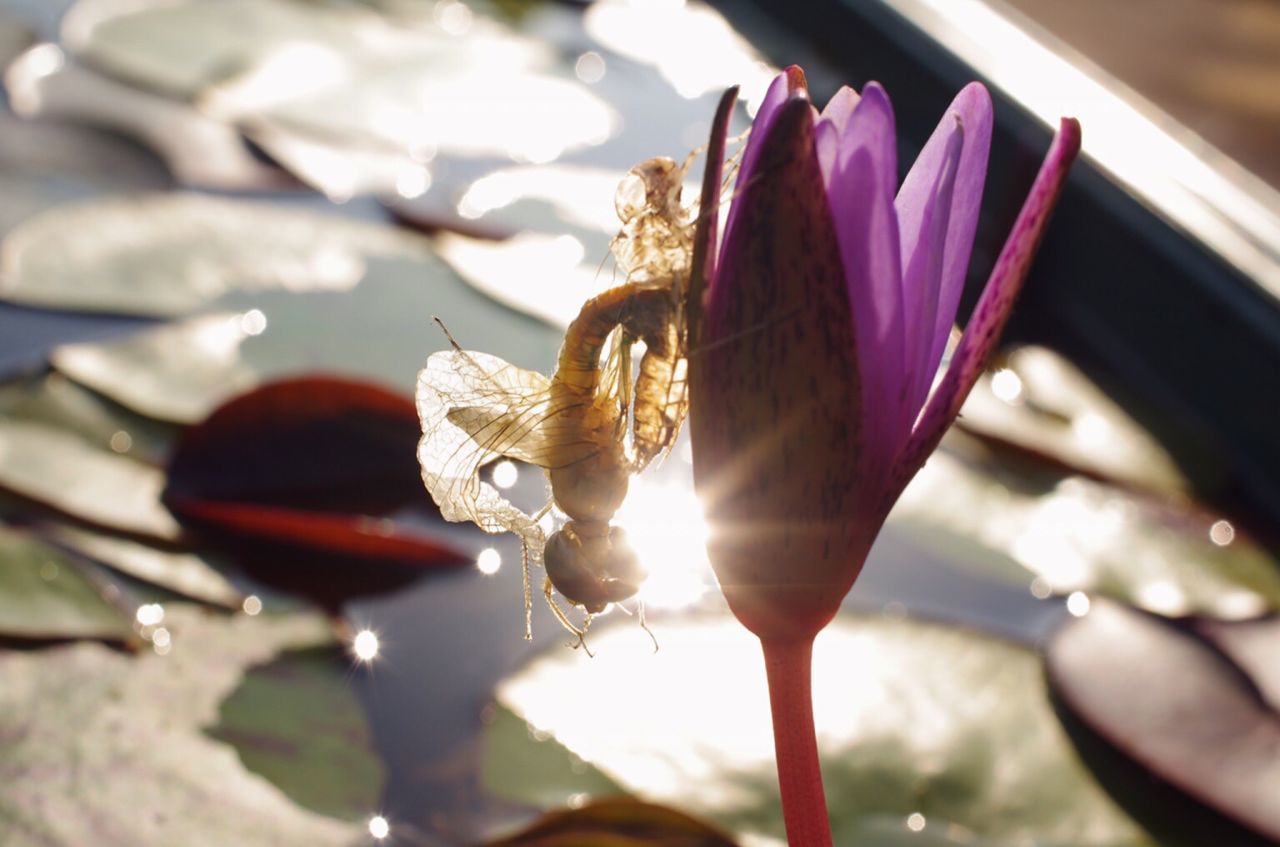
(528, 591)
(548, 591)
(645, 626)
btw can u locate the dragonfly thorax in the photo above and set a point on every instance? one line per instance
(594, 488)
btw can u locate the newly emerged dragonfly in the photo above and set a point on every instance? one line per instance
(591, 425)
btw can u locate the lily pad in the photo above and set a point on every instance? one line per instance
(186, 574)
(292, 478)
(317, 442)
(620, 821)
(380, 329)
(62, 471)
(43, 594)
(326, 557)
(167, 255)
(1174, 729)
(1076, 534)
(137, 770)
(364, 79)
(1252, 645)
(54, 400)
(921, 725)
(43, 165)
(175, 372)
(1039, 404)
(547, 276)
(199, 150)
(297, 722)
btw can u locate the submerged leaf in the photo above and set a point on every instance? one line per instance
(1174, 729)
(44, 595)
(297, 722)
(913, 719)
(137, 771)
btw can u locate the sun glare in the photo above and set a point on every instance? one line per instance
(665, 525)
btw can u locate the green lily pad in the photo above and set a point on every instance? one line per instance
(137, 769)
(922, 726)
(52, 399)
(369, 318)
(1037, 403)
(43, 594)
(62, 471)
(175, 372)
(43, 165)
(1076, 534)
(513, 752)
(297, 722)
(367, 81)
(168, 255)
(186, 574)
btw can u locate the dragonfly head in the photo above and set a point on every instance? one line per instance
(651, 188)
(592, 564)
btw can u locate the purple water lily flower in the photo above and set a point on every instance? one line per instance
(817, 327)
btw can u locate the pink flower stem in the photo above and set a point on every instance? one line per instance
(804, 804)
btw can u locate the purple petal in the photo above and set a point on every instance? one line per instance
(993, 309)
(861, 197)
(775, 398)
(705, 246)
(830, 127)
(923, 266)
(972, 108)
(790, 83)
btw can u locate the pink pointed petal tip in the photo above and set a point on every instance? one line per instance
(995, 305)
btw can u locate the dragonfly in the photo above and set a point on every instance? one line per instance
(592, 425)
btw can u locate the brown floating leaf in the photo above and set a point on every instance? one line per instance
(617, 822)
(1176, 731)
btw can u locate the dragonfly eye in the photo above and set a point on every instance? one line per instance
(592, 568)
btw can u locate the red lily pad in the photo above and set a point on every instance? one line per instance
(1175, 730)
(317, 442)
(294, 479)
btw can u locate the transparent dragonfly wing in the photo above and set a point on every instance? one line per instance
(476, 408)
